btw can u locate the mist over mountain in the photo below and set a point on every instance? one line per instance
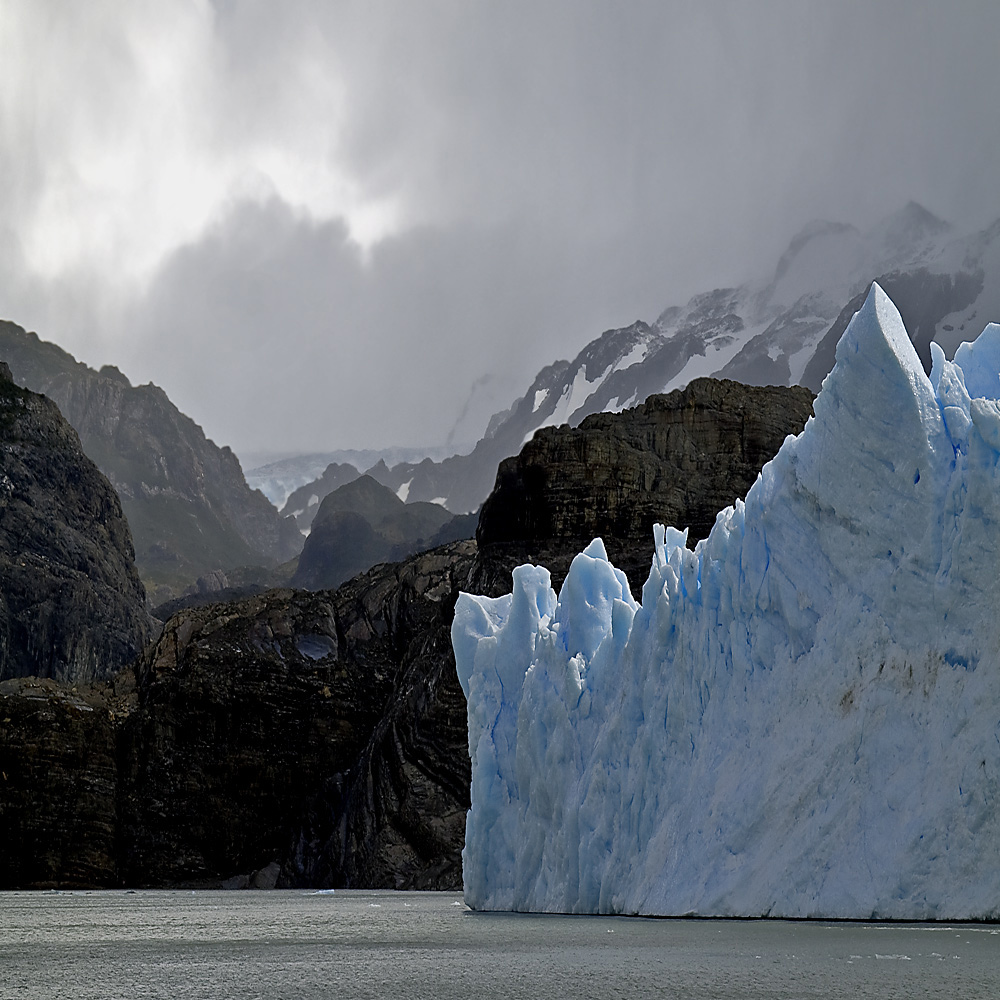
(279, 476)
(188, 506)
(781, 330)
(770, 333)
(323, 226)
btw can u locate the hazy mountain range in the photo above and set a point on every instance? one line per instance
(188, 506)
(192, 512)
(781, 331)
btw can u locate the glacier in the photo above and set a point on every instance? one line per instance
(802, 716)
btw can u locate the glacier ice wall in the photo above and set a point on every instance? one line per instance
(802, 716)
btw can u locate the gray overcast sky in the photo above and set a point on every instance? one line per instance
(317, 224)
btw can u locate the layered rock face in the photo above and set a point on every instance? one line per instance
(188, 505)
(679, 458)
(58, 784)
(311, 736)
(397, 818)
(71, 603)
(244, 709)
(290, 739)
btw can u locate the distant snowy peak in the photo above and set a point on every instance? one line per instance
(833, 259)
(561, 393)
(905, 232)
(780, 332)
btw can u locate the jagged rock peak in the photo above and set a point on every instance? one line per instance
(72, 606)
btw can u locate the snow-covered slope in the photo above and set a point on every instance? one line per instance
(802, 716)
(768, 334)
(781, 332)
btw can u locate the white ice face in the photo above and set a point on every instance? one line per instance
(802, 717)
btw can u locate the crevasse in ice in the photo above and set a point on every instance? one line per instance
(802, 716)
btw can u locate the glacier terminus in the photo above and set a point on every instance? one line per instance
(801, 718)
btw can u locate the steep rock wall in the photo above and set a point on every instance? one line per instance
(678, 458)
(71, 603)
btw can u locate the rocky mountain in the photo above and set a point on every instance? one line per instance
(285, 739)
(320, 739)
(303, 503)
(360, 524)
(278, 478)
(780, 331)
(677, 459)
(187, 503)
(72, 606)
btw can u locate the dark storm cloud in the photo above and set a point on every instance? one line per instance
(547, 170)
(273, 328)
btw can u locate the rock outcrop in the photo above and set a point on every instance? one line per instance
(71, 603)
(188, 505)
(678, 459)
(313, 732)
(288, 739)
(244, 709)
(360, 524)
(303, 503)
(58, 784)
(397, 818)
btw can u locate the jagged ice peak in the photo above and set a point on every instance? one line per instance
(802, 716)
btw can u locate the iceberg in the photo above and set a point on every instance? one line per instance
(801, 718)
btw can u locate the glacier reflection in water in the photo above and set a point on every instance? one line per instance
(297, 944)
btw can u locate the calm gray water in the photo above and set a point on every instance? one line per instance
(279, 945)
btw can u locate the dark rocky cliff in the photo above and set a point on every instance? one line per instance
(58, 784)
(71, 604)
(188, 505)
(311, 736)
(243, 710)
(678, 459)
(289, 738)
(397, 818)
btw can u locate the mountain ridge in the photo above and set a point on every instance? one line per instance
(186, 500)
(779, 331)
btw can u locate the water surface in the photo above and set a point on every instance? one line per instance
(279, 945)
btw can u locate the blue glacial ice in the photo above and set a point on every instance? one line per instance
(802, 716)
